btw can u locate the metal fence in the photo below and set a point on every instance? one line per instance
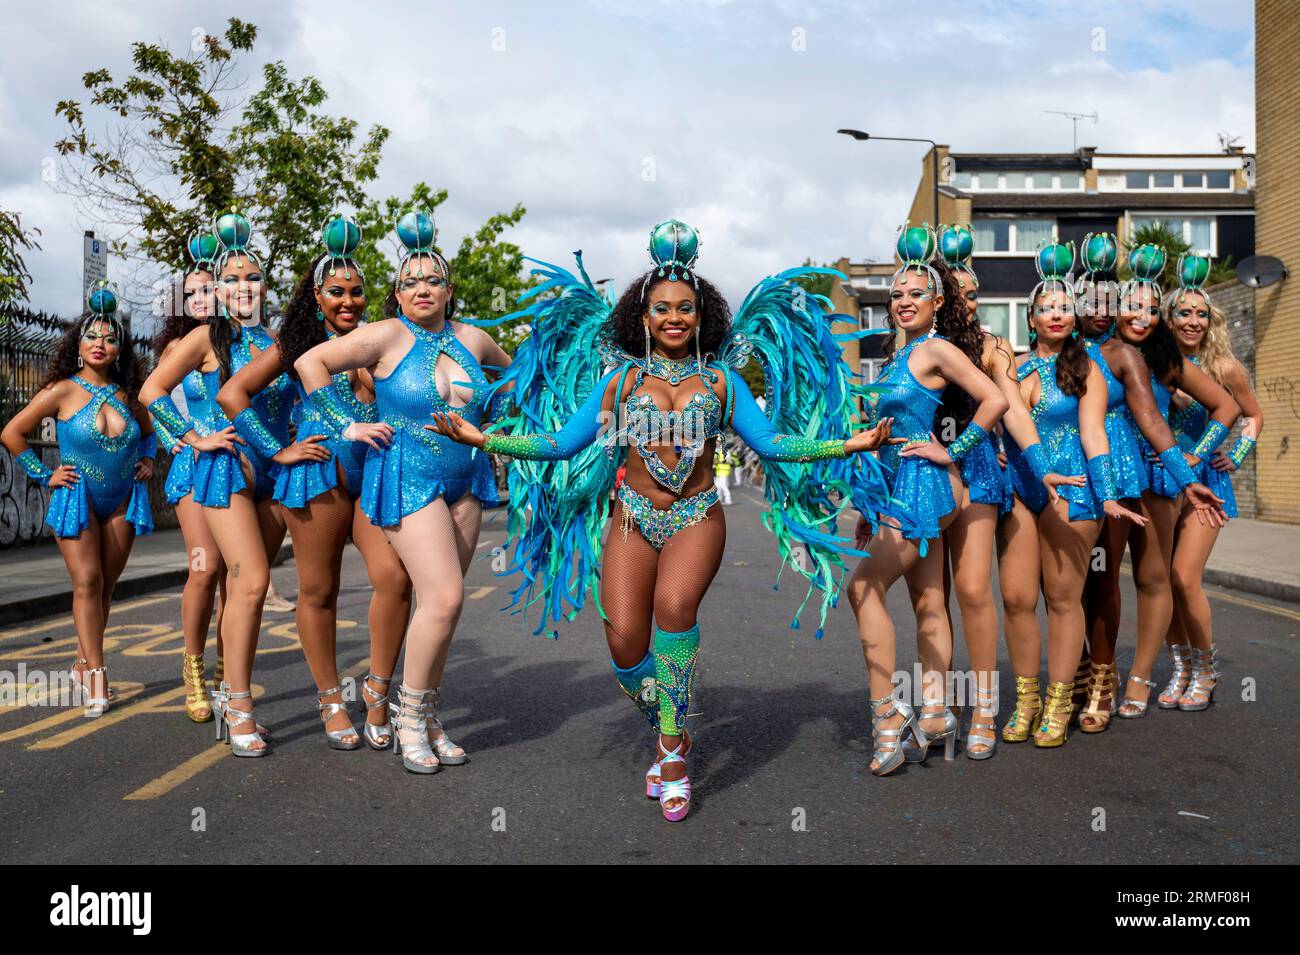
(27, 342)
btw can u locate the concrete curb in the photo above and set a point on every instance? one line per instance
(27, 608)
(1259, 586)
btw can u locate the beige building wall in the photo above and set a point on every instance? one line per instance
(1277, 233)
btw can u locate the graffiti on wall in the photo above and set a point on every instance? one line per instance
(22, 503)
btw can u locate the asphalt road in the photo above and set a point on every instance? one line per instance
(557, 752)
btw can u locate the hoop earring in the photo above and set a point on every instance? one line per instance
(647, 341)
(78, 361)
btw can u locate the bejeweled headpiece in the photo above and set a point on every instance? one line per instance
(673, 245)
(417, 232)
(916, 246)
(956, 243)
(1193, 272)
(101, 303)
(203, 248)
(234, 231)
(340, 236)
(1098, 255)
(1145, 262)
(1054, 262)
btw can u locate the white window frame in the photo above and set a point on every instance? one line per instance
(1028, 187)
(1017, 332)
(1012, 236)
(869, 369)
(1182, 218)
(1178, 185)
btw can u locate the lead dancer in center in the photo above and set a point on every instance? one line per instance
(668, 401)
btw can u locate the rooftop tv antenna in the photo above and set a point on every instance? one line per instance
(1074, 120)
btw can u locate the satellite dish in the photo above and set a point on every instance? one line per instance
(1258, 271)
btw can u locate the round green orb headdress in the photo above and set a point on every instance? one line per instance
(956, 243)
(916, 246)
(417, 232)
(340, 236)
(674, 245)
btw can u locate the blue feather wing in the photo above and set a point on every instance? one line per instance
(557, 509)
(810, 391)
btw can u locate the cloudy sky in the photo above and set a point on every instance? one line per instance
(603, 117)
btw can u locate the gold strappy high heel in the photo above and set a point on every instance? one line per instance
(1024, 718)
(197, 705)
(1054, 724)
(1079, 694)
(1096, 714)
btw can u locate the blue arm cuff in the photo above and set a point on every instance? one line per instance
(1102, 478)
(1036, 458)
(249, 426)
(1177, 467)
(35, 467)
(166, 413)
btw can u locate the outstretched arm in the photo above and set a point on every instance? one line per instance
(578, 432)
(748, 421)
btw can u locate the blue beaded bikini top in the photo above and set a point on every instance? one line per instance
(687, 429)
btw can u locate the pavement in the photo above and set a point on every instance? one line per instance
(34, 580)
(556, 752)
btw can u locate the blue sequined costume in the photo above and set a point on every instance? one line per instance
(1159, 480)
(419, 466)
(217, 474)
(1189, 425)
(1127, 457)
(180, 473)
(106, 466)
(921, 486)
(296, 484)
(1056, 416)
(988, 481)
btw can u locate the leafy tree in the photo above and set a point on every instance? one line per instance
(14, 239)
(184, 151)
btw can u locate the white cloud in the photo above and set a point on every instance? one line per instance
(559, 107)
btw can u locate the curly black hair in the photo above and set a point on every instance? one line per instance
(300, 329)
(176, 323)
(125, 371)
(627, 321)
(1073, 363)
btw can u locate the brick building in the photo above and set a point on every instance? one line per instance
(1277, 307)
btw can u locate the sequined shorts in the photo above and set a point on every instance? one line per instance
(658, 526)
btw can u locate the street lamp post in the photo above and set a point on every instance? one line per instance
(934, 158)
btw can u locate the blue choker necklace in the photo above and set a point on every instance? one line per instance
(671, 370)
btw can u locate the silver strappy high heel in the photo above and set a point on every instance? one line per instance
(338, 739)
(378, 735)
(1178, 680)
(986, 702)
(950, 734)
(1139, 707)
(889, 759)
(442, 745)
(96, 706)
(410, 717)
(1205, 677)
(241, 744)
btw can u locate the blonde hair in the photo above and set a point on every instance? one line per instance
(1215, 352)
